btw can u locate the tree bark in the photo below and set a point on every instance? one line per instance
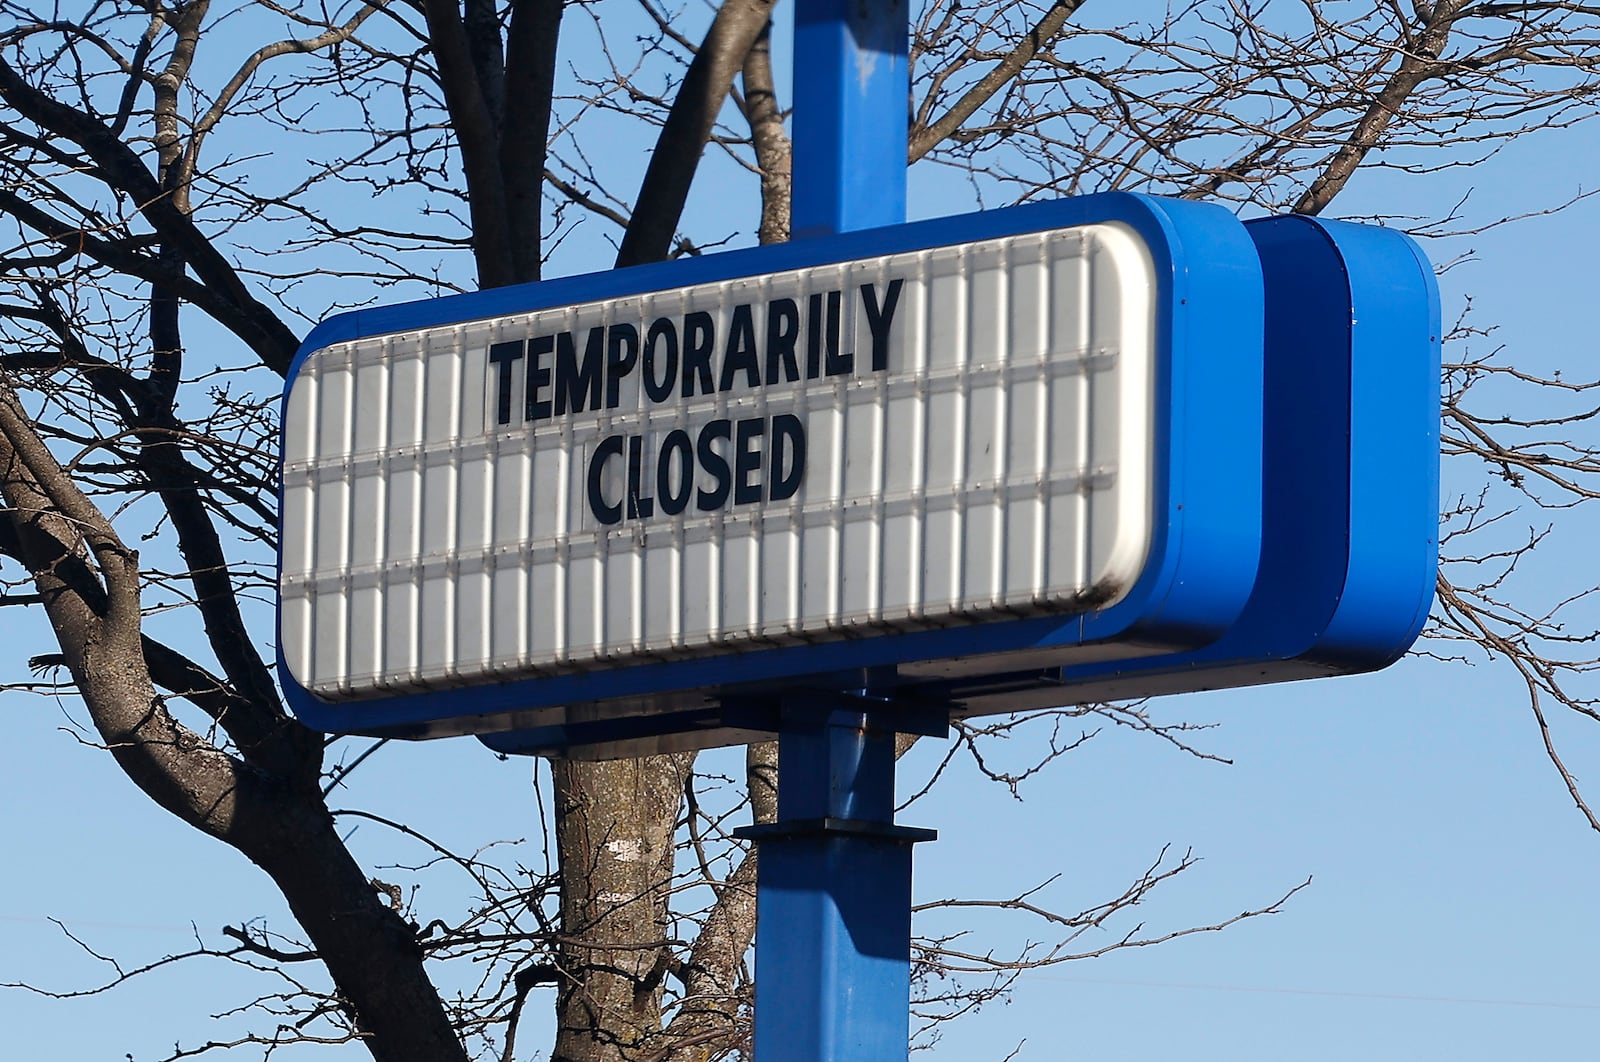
(925, 138)
(665, 188)
(1416, 67)
(774, 152)
(615, 824)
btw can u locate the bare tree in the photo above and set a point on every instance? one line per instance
(166, 246)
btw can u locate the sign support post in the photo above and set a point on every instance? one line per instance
(833, 928)
(851, 82)
(833, 925)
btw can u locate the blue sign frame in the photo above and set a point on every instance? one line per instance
(1207, 526)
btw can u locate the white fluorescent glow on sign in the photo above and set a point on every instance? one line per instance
(922, 439)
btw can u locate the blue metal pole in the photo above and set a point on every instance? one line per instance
(833, 925)
(833, 905)
(852, 88)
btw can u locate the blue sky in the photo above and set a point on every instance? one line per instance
(1450, 914)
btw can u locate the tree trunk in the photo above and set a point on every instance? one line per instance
(614, 829)
(369, 949)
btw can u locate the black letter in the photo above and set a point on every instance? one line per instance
(622, 354)
(572, 381)
(536, 408)
(838, 364)
(878, 320)
(639, 506)
(660, 388)
(746, 461)
(788, 436)
(713, 462)
(783, 328)
(609, 447)
(699, 336)
(502, 355)
(814, 337)
(674, 502)
(741, 350)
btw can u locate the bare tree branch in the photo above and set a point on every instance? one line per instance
(665, 189)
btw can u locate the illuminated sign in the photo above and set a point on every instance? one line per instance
(951, 439)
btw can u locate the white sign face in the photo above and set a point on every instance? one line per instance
(916, 440)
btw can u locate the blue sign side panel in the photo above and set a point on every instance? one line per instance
(1351, 465)
(1207, 527)
(1394, 481)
